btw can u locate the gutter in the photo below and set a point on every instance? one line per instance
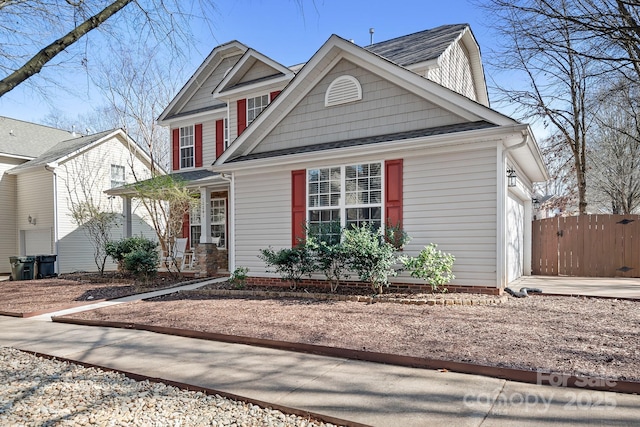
(52, 168)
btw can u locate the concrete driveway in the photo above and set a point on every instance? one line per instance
(612, 287)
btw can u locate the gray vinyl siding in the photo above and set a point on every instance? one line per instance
(208, 142)
(8, 232)
(203, 96)
(257, 71)
(450, 199)
(262, 215)
(385, 108)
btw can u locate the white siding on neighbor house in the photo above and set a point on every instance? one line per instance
(454, 71)
(262, 216)
(450, 200)
(203, 98)
(88, 175)
(8, 231)
(34, 199)
(385, 108)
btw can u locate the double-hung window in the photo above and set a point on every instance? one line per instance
(218, 210)
(117, 176)
(219, 220)
(195, 224)
(348, 195)
(255, 107)
(187, 147)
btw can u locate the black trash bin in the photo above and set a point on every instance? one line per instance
(21, 267)
(45, 266)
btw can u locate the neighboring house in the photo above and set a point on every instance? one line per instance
(45, 173)
(399, 132)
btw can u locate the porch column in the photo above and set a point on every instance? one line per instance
(205, 215)
(126, 212)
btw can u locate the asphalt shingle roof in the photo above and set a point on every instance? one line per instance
(63, 149)
(19, 138)
(440, 130)
(418, 47)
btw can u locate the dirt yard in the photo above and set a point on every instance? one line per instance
(23, 297)
(579, 336)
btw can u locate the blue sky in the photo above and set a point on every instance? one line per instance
(284, 32)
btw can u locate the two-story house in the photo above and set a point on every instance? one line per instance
(398, 132)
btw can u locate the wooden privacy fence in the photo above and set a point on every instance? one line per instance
(587, 245)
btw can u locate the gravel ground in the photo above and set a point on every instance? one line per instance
(42, 392)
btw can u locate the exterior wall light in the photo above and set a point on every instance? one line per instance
(511, 177)
(536, 203)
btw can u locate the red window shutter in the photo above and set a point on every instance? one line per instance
(274, 94)
(198, 131)
(186, 229)
(298, 205)
(176, 149)
(393, 193)
(219, 137)
(242, 115)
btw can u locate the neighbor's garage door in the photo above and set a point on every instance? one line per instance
(515, 238)
(37, 242)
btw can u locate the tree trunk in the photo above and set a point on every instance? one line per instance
(40, 59)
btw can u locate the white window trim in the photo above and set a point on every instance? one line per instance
(225, 133)
(224, 222)
(182, 137)
(118, 182)
(262, 107)
(342, 206)
(342, 90)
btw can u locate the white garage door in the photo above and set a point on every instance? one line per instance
(515, 238)
(37, 242)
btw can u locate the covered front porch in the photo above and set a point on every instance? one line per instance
(206, 227)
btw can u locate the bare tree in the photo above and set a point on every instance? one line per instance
(553, 83)
(614, 151)
(34, 32)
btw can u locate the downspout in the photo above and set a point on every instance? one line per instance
(52, 169)
(231, 241)
(502, 207)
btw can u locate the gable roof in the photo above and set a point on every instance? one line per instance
(418, 47)
(28, 140)
(232, 81)
(71, 147)
(320, 64)
(200, 76)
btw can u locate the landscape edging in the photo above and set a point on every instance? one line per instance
(511, 374)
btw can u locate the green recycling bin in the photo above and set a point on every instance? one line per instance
(45, 266)
(21, 267)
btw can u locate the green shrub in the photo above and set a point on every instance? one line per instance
(370, 255)
(290, 264)
(135, 255)
(431, 265)
(332, 259)
(238, 277)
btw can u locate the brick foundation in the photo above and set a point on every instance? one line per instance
(323, 284)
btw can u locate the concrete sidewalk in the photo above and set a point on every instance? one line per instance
(368, 393)
(609, 287)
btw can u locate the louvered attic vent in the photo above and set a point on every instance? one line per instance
(342, 90)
